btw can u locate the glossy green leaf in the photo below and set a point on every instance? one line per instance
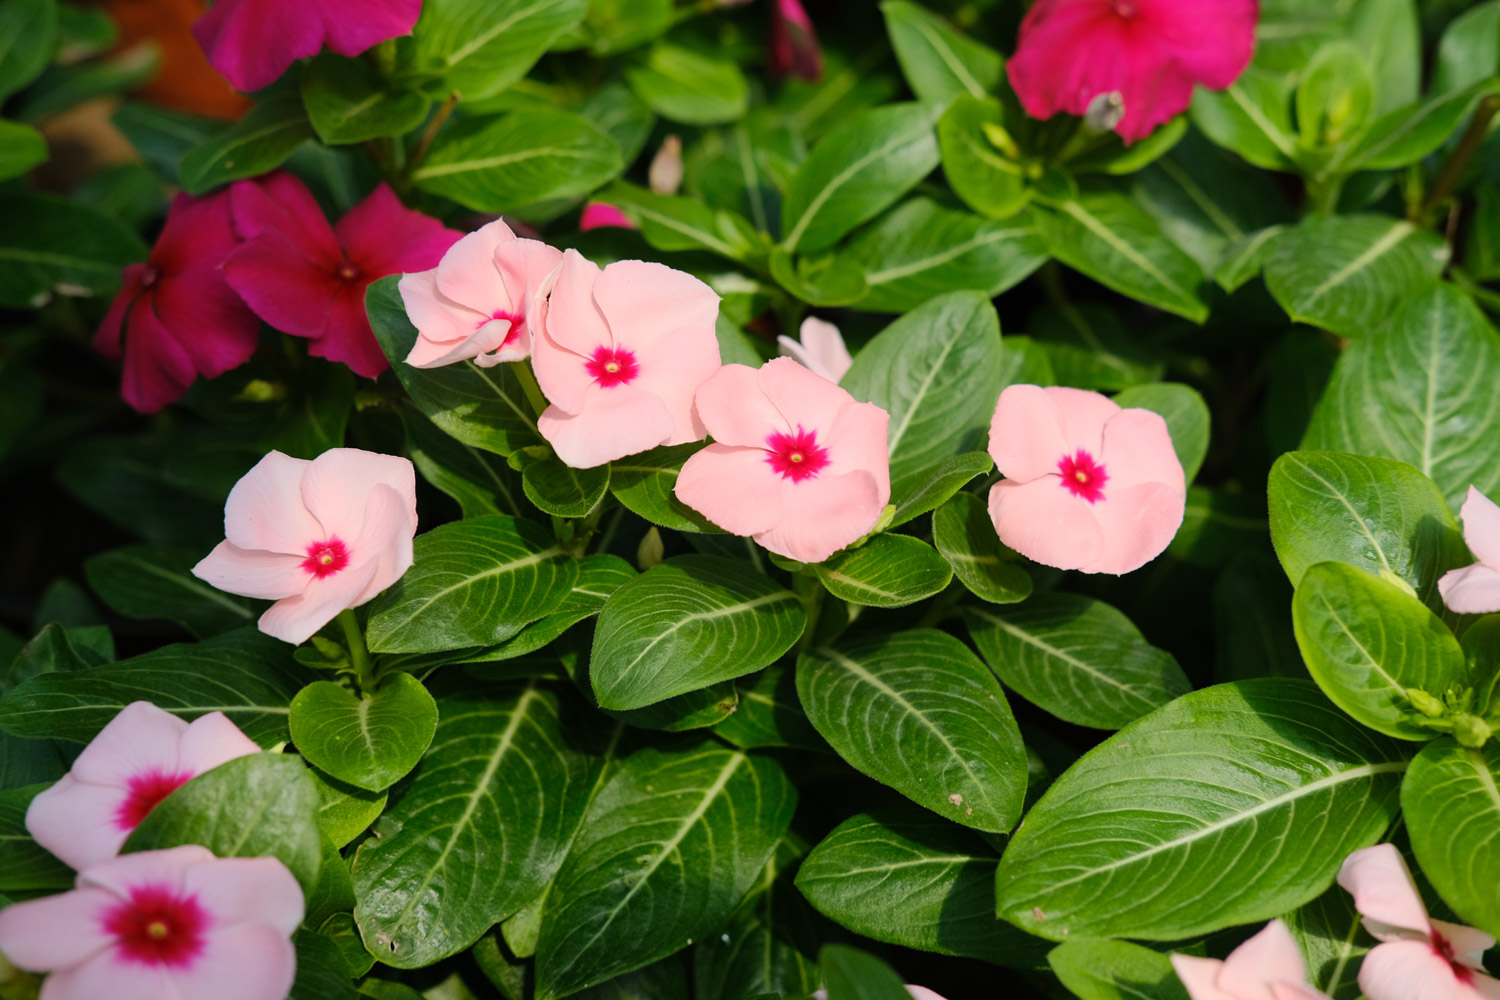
(483, 46)
(347, 101)
(939, 61)
(1098, 969)
(919, 712)
(645, 483)
(155, 581)
(1126, 840)
(1244, 258)
(1334, 942)
(916, 493)
(1251, 117)
(52, 246)
(370, 741)
(1186, 415)
(1452, 807)
(1407, 134)
(671, 222)
(480, 481)
(965, 535)
(28, 36)
(769, 944)
(256, 144)
(345, 812)
(687, 86)
(888, 571)
(988, 181)
(21, 148)
(1470, 49)
(559, 489)
(322, 973)
(25, 865)
(769, 713)
(850, 974)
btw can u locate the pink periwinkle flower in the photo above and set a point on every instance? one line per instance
(619, 354)
(481, 301)
(1476, 589)
(917, 993)
(1268, 966)
(175, 317)
(1148, 52)
(794, 43)
(1419, 958)
(252, 42)
(1088, 485)
(161, 925)
(821, 349)
(602, 215)
(796, 462)
(315, 537)
(141, 757)
(308, 278)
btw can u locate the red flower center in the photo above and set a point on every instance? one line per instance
(517, 324)
(157, 927)
(1082, 476)
(1443, 948)
(796, 456)
(149, 276)
(144, 791)
(349, 270)
(612, 366)
(1125, 9)
(325, 558)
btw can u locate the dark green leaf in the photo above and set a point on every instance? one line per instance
(478, 480)
(854, 975)
(559, 489)
(888, 571)
(1333, 941)
(258, 143)
(915, 493)
(51, 246)
(769, 713)
(155, 581)
(1407, 134)
(28, 35)
(645, 483)
(347, 101)
(25, 865)
(767, 947)
(21, 148)
(1096, 969)
(964, 534)
(345, 812)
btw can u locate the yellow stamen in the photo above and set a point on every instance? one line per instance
(156, 929)
(612, 367)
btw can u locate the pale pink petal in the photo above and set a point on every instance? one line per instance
(55, 932)
(1412, 970)
(444, 327)
(1200, 976)
(1473, 590)
(806, 400)
(251, 962)
(613, 423)
(922, 993)
(1026, 436)
(1045, 523)
(735, 410)
(644, 302)
(858, 440)
(673, 369)
(253, 572)
(140, 738)
(1296, 991)
(1082, 416)
(562, 374)
(1137, 524)
(1468, 943)
(735, 488)
(1138, 449)
(823, 514)
(467, 273)
(525, 266)
(821, 350)
(1482, 528)
(1384, 893)
(212, 740)
(167, 868)
(265, 509)
(247, 891)
(386, 540)
(1270, 955)
(296, 619)
(574, 322)
(78, 821)
(109, 977)
(337, 485)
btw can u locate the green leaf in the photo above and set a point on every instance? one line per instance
(21, 148)
(480, 830)
(322, 972)
(1096, 969)
(263, 805)
(247, 675)
(1251, 117)
(685, 624)
(473, 583)
(617, 25)
(888, 571)
(988, 181)
(690, 87)
(853, 975)
(1112, 240)
(343, 932)
(680, 223)
(482, 407)
(769, 713)
(1333, 941)
(483, 46)
(919, 712)
(826, 279)
(370, 741)
(479, 481)
(939, 61)
(1244, 258)
(1419, 391)
(334, 893)
(1451, 805)
(155, 581)
(921, 249)
(644, 484)
(916, 493)
(1077, 658)
(936, 371)
(905, 877)
(1088, 347)
(1407, 134)
(1258, 789)
(964, 534)
(28, 36)
(856, 171)
(698, 709)
(1470, 49)
(345, 812)
(1335, 96)
(559, 489)
(256, 144)
(1390, 39)
(161, 136)
(347, 101)
(52, 246)
(1349, 273)
(25, 865)
(506, 163)
(1186, 415)
(1482, 247)
(769, 943)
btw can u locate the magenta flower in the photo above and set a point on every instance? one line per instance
(1420, 958)
(1149, 52)
(1475, 590)
(315, 537)
(1088, 485)
(141, 757)
(178, 923)
(794, 43)
(308, 278)
(1268, 966)
(481, 301)
(601, 215)
(252, 42)
(619, 354)
(176, 316)
(821, 350)
(796, 463)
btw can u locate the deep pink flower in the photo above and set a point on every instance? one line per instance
(1150, 52)
(1088, 485)
(141, 757)
(601, 215)
(162, 924)
(1268, 966)
(481, 301)
(821, 349)
(315, 537)
(308, 278)
(177, 317)
(794, 43)
(1475, 590)
(796, 462)
(619, 354)
(252, 42)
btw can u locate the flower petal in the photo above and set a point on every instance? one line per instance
(77, 821)
(265, 508)
(382, 236)
(212, 740)
(106, 975)
(279, 201)
(353, 27)
(525, 266)
(139, 739)
(446, 330)
(574, 322)
(1473, 590)
(166, 867)
(1482, 528)
(1138, 448)
(467, 273)
(821, 515)
(1412, 970)
(806, 400)
(735, 488)
(251, 962)
(1045, 523)
(110, 335)
(287, 288)
(1137, 525)
(612, 423)
(735, 411)
(672, 370)
(211, 323)
(347, 337)
(1200, 976)
(252, 42)
(1269, 955)
(821, 351)
(56, 932)
(336, 488)
(857, 440)
(157, 368)
(256, 573)
(1468, 943)
(387, 538)
(645, 302)
(247, 891)
(1384, 893)
(295, 619)
(1026, 436)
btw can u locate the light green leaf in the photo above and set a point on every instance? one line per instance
(681, 223)
(1451, 803)
(1097, 969)
(21, 148)
(370, 741)
(988, 181)
(939, 61)
(1251, 117)
(645, 483)
(256, 144)
(1186, 415)
(964, 534)
(483, 46)
(1470, 49)
(690, 87)
(155, 581)
(888, 571)
(347, 101)
(1407, 134)
(1389, 37)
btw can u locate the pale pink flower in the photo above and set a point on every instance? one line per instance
(821, 350)
(1420, 958)
(1088, 485)
(619, 354)
(601, 215)
(141, 757)
(1268, 966)
(665, 174)
(178, 924)
(315, 537)
(917, 993)
(1476, 589)
(480, 301)
(796, 462)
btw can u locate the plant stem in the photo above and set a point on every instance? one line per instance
(810, 592)
(359, 655)
(425, 143)
(15, 984)
(533, 391)
(1463, 154)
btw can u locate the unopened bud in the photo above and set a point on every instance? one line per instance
(1425, 703)
(1001, 140)
(1471, 731)
(1104, 111)
(650, 551)
(666, 167)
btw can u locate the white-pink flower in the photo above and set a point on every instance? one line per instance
(1268, 966)
(619, 354)
(917, 993)
(141, 757)
(1419, 958)
(1476, 589)
(821, 349)
(480, 302)
(796, 462)
(178, 924)
(316, 537)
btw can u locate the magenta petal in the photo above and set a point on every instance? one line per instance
(823, 514)
(210, 322)
(252, 42)
(611, 424)
(735, 488)
(108, 337)
(598, 215)
(280, 201)
(382, 236)
(1045, 523)
(157, 369)
(348, 336)
(198, 233)
(55, 932)
(353, 26)
(285, 287)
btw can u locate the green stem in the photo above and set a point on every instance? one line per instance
(810, 592)
(534, 396)
(15, 984)
(1323, 195)
(430, 133)
(1468, 147)
(359, 655)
